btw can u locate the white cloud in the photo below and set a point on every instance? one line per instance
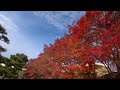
(59, 19)
(19, 43)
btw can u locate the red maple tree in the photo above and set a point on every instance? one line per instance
(94, 37)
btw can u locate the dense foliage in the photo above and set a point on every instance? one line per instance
(10, 68)
(94, 37)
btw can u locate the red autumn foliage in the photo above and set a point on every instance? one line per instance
(95, 36)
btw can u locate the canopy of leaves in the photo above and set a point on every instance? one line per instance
(13, 65)
(94, 37)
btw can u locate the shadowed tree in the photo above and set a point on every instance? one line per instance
(3, 38)
(12, 68)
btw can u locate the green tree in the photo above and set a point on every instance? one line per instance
(7, 71)
(21, 58)
(19, 61)
(13, 66)
(10, 67)
(3, 38)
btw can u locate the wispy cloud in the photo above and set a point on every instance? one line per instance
(7, 23)
(59, 19)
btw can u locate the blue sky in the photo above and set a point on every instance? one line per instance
(28, 31)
